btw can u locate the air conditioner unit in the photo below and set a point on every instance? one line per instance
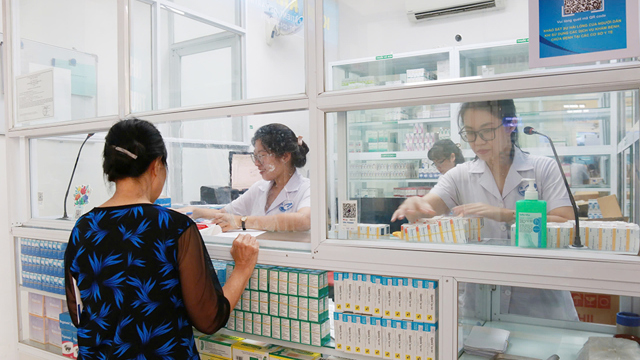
(427, 9)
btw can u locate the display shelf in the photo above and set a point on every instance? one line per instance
(328, 349)
(389, 155)
(41, 351)
(41, 292)
(397, 180)
(568, 114)
(540, 342)
(435, 120)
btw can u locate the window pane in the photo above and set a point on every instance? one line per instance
(205, 58)
(141, 55)
(66, 72)
(209, 165)
(540, 322)
(224, 10)
(383, 45)
(464, 159)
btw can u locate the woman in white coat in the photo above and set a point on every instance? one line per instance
(281, 201)
(489, 187)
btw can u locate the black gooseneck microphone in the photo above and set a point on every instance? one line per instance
(576, 239)
(65, 216)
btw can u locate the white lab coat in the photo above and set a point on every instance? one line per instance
(473, 182)
(295, 196)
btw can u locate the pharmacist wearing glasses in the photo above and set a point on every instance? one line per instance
(281, 201)
(490, 185)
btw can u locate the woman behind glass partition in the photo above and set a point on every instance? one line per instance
(490, 185)
(281, 201)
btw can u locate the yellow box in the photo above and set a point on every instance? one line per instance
(294, 354)
(248, 349)
(218, 345)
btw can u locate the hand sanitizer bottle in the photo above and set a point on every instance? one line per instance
(531, 219)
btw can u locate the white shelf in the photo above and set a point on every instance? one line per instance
(397, 180)
(444, 119)
(539, 341)
(40, 351)
(388, 155)
(42, 292)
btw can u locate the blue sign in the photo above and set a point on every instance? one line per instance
(568, 32)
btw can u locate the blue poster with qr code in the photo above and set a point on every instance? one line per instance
(574, 31)
(581, 26)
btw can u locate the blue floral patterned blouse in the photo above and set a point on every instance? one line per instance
(144, 278)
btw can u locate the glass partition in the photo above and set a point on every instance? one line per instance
(430, 165)
(209, 166)
(65, 73)
(187, 54)
(535, 322)
(388, 45)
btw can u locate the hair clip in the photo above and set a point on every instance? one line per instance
(300, 140)
(126, 152)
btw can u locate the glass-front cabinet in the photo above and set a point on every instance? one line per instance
(378, 158)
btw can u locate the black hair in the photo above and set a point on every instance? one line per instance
(279, 140)
(130, 147)
(443, 149)
(502, 109)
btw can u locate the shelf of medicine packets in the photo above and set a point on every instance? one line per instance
(327, 350)
(389, 155)
(445, 119)
(387, 69)
(397, 180)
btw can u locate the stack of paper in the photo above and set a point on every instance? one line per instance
(485, 341)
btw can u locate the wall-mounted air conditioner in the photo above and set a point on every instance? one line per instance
(428, 9)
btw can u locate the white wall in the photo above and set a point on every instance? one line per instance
(8, 310)
(380, 27)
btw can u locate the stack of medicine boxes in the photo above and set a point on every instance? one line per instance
(284, 303)
(43, 265)
(43, 319)
(69, 336)
(386, 317)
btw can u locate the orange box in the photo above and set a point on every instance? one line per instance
(596, 308)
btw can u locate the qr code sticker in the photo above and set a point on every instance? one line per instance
(349, 210)
(578, 6)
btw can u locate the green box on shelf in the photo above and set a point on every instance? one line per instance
(276, 328)
(257, 324)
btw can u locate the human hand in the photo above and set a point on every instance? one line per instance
(226, 221)
(413, 208)
(191, 211)
(486, 211)
(244, 252)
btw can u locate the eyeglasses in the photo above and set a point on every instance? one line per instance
(439, 162)
(485, 134)
(259, 157)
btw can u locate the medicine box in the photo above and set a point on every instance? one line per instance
(219, 345)
(388, 349)
(53, 307)
(257, 324)
(294, 354)
(275, 328)
(387, 293)
(37, 329)
(348, 285)
(338, 329)
(358, 302)
(36, 304)
(285, 329)
(254, 279)
(54, 337)
(252, 349)
(338, 291)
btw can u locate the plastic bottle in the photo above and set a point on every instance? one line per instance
(531, 219)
